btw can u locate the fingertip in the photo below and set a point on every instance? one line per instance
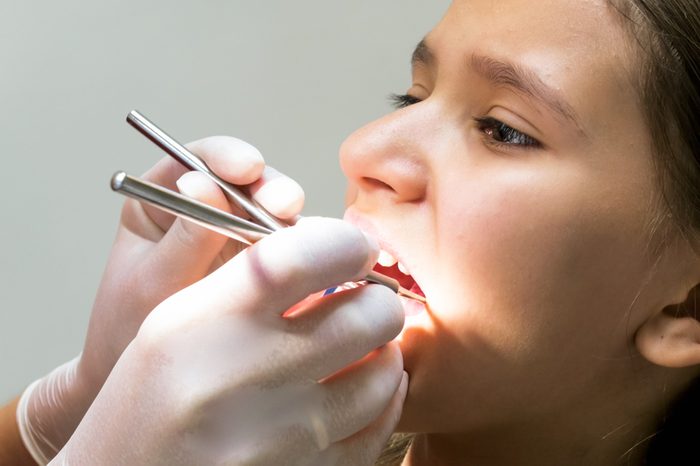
(356, 243)
(189, 183)
(373, 247)
(281, 196)
(397, 357)
(198, 186)
(394, 314)
(234, 160)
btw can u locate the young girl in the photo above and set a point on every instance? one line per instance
(539, 183)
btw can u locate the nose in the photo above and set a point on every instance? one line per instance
(388, 158)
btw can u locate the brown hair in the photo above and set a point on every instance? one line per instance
(395, 450)
(668, 36)
(667, 33)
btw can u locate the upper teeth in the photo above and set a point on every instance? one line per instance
(387, 260)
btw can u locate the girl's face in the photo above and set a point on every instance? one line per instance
(517, 188)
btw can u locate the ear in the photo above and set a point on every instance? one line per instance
(671, 337)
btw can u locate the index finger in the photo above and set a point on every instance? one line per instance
(284, 268)
(232, 159)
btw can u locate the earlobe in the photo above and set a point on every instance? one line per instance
(670, 340)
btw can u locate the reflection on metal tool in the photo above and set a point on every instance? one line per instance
(193, 162)
(190, 209)
(204, 215)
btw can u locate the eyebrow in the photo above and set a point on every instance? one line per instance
(503, 73)
(422, 54)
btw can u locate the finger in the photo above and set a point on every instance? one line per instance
(303, 422)
(187, 250)
(364, 447)
(241, 164)
(343, 327)
(278, 194)
(287, 266)
(145, 220)
(232, 159)
(358, 395)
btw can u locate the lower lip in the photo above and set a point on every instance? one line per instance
(411, 307)
(416, 314)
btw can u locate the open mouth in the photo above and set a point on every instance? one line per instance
(389, 266)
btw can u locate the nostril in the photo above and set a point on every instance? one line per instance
(374, 183)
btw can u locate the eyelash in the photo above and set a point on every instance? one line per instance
(496, 132)
(402, 100)
(500, 134)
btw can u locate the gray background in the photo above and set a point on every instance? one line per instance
(293, 78)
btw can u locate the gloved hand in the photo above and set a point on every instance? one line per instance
(153, 257)
(221, 373)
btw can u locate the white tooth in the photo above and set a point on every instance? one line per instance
(402, 268)
(386, 259)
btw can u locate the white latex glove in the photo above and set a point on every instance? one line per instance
(153, 257)
(217, 375)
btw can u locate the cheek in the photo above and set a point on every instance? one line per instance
(527, 251)
(534, 270)
(533, 261)
(547, 242)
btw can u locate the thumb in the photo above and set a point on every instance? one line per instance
(186, 252)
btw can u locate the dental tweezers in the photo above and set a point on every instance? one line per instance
(205, 215)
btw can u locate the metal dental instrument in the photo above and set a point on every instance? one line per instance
(235, 195)
(190, 209)
(215, 219)
(193, 162)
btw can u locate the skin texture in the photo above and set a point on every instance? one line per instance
(153, 257)
(12, 449)
(248, 364)
(215, 375)
(536, 262)
(548, 340)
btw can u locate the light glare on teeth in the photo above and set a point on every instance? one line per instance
(402, 268)
(385, 259)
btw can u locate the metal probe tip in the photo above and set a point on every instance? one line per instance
(118, 180)
(411, 295)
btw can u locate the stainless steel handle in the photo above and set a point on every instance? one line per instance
(190, 209)
(193, 162)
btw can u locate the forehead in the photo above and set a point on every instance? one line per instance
(578, 47)
(580, 26)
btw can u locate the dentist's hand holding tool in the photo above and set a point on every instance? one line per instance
(153, 257)
(218, 374)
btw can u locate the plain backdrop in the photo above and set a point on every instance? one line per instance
(293, 78)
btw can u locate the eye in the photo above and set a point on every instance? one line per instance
(500, 134)
(402, 100)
